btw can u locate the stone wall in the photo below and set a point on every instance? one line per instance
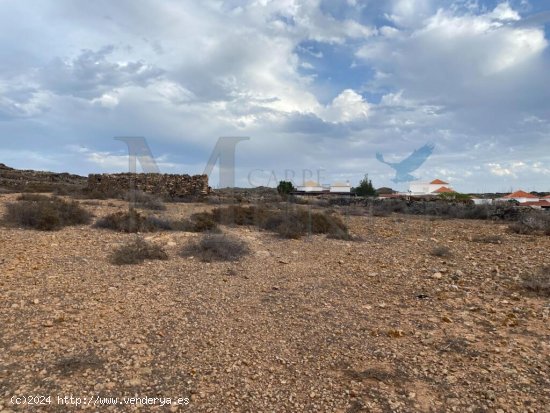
(172, 186)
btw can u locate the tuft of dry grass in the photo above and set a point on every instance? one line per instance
(441, 251)
(487, 239)
(45, 213)
(137, 251)
(216, 247)
(539, 283)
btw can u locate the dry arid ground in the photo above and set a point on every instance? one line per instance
(310, 325)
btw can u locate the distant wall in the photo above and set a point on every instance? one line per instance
(173, 186)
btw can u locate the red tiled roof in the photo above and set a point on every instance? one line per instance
(546, 197)
(520, 194)
(438, 182)
(535, 203)
(443, 189)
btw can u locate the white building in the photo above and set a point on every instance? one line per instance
(482, 201)
(435, 187)
(340, 188)
(521, 197)
(310, 186)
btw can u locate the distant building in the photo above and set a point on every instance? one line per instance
(312, 187)
(542, 204)
(482, 201)
(435, 187)
(340, 188)
(520, 196)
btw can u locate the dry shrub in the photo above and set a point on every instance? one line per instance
(132, 221)
(520, 228)
(293, 223)
(137, 251)
(441, 251)
(216, 247)
(45, 213)
(145, 200)
(539, 283)
(241, 215)
(203, 222)
(488, 239)
(532, 223)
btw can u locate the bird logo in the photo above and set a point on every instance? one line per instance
(409, 164)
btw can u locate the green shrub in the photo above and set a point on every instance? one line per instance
(45, 213)
(365, 187)
(285, 188)
(216, 247)
(137, 251)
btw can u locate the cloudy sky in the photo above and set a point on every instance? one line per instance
(317, 85)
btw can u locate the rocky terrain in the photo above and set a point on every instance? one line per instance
(312, 325)
(167, 185)
(19, 180)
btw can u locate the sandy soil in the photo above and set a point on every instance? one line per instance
(313, 325)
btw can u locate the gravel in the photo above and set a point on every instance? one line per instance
(310, 325)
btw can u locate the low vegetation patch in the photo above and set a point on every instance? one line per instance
(539, 283)
(216, 247)
(132, 221)
(144, 200)
(488, 239)
(292, 223)
(441, 251)
(137, 251)
(45, 213)
(199, 222)
(531, 224)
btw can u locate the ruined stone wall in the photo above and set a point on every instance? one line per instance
(166, 185)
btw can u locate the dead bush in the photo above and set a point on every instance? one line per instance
(241, 215)
(45, 213)
(132, 221)
(441, 251)
(539, 283)
(520, 228)
(203, 222)
(293, 223)
(137, 251)
(199, 222)
(216, 247)
(532, 223)
(488, 239)
(145, 200)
